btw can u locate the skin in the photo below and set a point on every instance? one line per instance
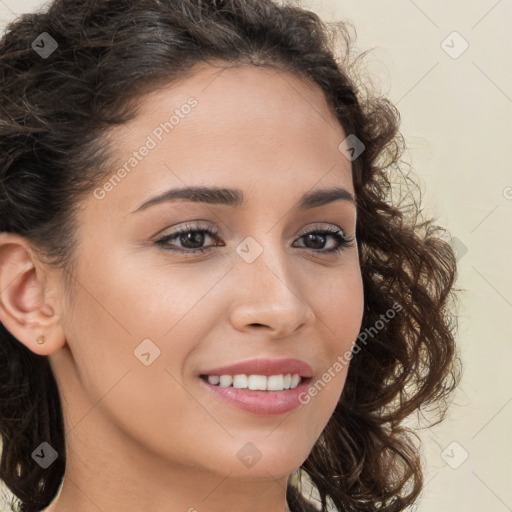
(149, 437)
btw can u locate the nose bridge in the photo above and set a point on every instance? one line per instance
(264, 262)
(271, 295)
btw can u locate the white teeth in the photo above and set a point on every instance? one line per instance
(225, 381)
(276, 382)
(213, 379)
(256, 382)
(240, 381)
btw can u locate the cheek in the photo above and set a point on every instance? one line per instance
(158, 297)
(340, 306)
(339, 310)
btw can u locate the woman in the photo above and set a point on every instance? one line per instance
(208, 297)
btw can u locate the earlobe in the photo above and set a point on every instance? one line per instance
(24, 311)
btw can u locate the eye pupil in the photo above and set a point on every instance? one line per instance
(196, 237)
(318, 240)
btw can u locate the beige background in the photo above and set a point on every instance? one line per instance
(457, 121)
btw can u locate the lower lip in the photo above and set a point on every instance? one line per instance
(264, 403)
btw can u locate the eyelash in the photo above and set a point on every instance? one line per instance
(342, 240)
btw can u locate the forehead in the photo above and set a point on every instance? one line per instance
(249, 89)
(229, 127)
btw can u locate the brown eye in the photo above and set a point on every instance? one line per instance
(317, 240)
(191, 239)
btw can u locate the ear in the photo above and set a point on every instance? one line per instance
(28, 296)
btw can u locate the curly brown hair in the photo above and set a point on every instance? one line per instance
(54, 114)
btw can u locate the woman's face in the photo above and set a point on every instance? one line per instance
(147, 321)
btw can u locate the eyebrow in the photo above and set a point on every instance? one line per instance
(235, 197)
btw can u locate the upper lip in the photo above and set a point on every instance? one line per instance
(264, 367)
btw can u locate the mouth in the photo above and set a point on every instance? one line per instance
(263, 386)
(257, 394)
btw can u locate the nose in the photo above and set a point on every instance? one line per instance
(270, 295)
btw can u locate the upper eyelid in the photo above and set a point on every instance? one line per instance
(211, 227)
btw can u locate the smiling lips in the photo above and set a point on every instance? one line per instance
(260, 386)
